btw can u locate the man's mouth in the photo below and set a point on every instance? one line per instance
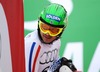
(47, 36)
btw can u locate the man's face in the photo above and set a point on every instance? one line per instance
(47, 38)
(48, 32)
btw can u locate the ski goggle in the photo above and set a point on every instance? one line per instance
(53, 31)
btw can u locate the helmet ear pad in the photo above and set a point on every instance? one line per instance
(39, 35)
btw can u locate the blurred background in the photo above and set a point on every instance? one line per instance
(81, 38)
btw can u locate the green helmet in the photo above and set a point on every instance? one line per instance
(55, 15)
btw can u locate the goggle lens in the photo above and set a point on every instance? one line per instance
(53, 31)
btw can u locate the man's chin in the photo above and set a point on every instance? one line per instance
(47, 41)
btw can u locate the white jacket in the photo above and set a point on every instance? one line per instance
(39, 56)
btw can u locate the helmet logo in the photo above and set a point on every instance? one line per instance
(53, 17)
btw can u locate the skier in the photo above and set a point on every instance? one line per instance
(42, 45)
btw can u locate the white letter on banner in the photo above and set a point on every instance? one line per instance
(74, 51)
(95, 63)
(5, 56)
